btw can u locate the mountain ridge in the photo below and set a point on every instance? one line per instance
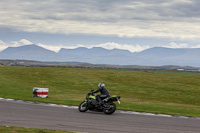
(156, 56)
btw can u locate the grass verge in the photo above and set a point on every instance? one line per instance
(13, 129)
(166, 92)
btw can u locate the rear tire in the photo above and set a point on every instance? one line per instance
(110, 110)
(83, 107)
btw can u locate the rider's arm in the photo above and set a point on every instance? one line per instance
(96, 90)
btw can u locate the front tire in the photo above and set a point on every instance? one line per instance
(83, 107)
(111, 109)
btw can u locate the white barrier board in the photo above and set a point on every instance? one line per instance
(40, 92)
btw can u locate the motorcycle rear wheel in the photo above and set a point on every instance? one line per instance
(111, 109)
(83, 107)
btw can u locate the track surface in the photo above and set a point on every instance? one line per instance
(39, 116)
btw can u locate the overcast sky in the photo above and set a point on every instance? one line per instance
(125, 24)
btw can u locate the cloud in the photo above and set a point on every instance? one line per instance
(54, 48)
(197, 46)
(2, 45)
(108, 45)
(124, 18)
(25, 42)
(112, 45)
(22, 42)
(175, 45)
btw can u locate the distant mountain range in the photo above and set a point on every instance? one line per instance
(156, 56)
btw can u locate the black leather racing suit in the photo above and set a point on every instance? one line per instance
(104, 94)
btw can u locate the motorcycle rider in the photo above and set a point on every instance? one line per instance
(104, 93)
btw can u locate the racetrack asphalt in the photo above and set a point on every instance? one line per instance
(33, 115)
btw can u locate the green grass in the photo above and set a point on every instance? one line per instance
(167, 92)
(13, 129)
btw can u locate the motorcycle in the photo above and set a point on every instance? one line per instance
(91, 103)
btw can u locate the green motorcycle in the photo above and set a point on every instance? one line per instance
(91, 103)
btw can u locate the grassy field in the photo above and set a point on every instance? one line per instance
(166, 92)
(4, 129)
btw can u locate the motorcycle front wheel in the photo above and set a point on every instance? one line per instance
(111, 109)
(83, 107)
